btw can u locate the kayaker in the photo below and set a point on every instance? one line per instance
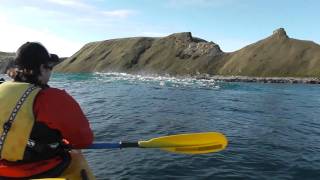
(39, 125)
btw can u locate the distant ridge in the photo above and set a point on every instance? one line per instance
(6, 61)
(277, 55)
(182, 54)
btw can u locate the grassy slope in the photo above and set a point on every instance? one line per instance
(276, 55)
(143, 55)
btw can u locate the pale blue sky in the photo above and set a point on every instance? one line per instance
(64, 26)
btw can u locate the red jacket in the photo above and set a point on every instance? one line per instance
(58, 110)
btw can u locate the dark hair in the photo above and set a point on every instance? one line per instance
(29, 57)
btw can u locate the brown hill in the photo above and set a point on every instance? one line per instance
(181, 54)
(277, 55)
(175, 54)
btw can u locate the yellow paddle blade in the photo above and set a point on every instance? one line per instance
(204, 149)
(50, 179)
(194, 143)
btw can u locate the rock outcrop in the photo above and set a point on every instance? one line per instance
(6, 61)
(280, 33)
(193, 47)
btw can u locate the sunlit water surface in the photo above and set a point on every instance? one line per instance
(273, 129)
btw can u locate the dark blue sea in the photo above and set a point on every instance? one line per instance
(273, 129)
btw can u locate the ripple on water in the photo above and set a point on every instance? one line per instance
(273, 130)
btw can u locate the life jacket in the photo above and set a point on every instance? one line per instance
(17, 125)
(16, 118)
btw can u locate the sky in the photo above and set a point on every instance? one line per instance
(64, 26)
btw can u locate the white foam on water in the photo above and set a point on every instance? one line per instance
(162, 81)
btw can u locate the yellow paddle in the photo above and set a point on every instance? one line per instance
(193, 143)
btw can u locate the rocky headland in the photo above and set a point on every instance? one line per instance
(277, 58)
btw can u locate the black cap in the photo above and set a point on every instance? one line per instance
(32, 54)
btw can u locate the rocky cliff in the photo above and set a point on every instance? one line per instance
(6, 60)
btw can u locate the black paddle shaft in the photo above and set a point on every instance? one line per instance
(128, 144)
(2, 80)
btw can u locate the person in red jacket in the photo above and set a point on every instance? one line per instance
(60, 124)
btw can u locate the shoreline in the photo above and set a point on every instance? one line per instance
(290, 80)
(249, 79)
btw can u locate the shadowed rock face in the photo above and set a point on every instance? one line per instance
(280, 34)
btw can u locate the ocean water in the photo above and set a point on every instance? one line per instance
(273, 129)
